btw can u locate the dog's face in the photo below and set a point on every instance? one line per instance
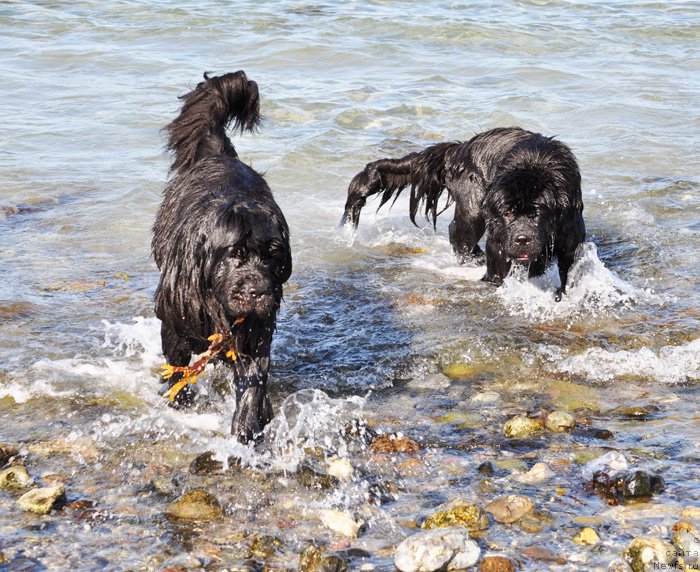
(522, 237)
(521, 217)
(248, 276)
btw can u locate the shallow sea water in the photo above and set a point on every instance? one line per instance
(383, 328)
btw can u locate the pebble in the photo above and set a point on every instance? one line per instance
(341, 469)
(486, 468)
(342, 523)
(587, 536)
(641, 484)
(510, 508)
(6, 453)
(560, 421)
(15, 478)
(618, 565)
(439, 549)
(313, 559)
(521, 426)
(197, 504)
(394, 443)
(182, 562)
(458, 513)
(311, 478)
(496, 564)
(691, 513)
(686, 539)
(205, 464)
(647, 553)
(486, 398)
(42, 501)
(539, 473)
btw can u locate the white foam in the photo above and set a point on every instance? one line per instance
(592, 289)
(670, 364)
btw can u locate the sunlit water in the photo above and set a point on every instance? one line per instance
(372, 322)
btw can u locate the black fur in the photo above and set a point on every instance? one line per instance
(221, 244)
(520, 188)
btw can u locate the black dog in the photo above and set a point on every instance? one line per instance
(523, 189)
(222, 246)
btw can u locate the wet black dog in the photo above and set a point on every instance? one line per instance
(523, 189)
(222, 245)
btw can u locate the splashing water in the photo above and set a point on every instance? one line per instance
(592, 290)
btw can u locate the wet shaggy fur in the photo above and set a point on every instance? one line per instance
(520, 188)
(222, 246)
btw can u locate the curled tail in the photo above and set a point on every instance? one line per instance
(200, 129)
(424, 172)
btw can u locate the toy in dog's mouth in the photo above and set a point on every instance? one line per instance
(218, 343)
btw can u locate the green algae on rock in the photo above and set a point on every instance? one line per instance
(458, 513)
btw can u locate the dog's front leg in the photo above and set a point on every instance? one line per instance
(177, 352)
(253, 407)
(497, 265)
(465, 231)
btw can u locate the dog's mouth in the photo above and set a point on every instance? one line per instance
(523, 258)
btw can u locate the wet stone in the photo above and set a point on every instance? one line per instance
(15, 478)
(195, 505)
(341, 469)
(314, 559)
(538, 473)
(619, 565)
(638, 413)
(394, 443)
(205, 464)
(42, 501)
(342, 522)
(560, 421)
(6, 453)
(521, 426)
(646, 553)
(641, 484)
(182, 562)
(496, 564)
(439, 549)
(587, 536)
(595, 433)
(458, 513)
(536, 521)
(312, 478)
(265, 546)
(686, 539)
(510, 508)
(486, 468)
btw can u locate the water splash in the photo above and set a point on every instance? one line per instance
(670, 364)
(592, 290)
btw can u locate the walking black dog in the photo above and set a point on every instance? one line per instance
(523, 189)
(222, 246)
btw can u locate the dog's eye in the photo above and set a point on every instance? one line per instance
(237, 252)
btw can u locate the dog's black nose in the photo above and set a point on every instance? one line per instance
(522, 240)
(258, 290)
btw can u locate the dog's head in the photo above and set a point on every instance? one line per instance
(521, 213)
(248, 259)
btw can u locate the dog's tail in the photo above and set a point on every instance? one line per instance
(200, 129)
(425, 172)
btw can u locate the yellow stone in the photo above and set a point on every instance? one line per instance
(587, 536)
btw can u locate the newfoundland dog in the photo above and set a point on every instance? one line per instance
(520, 188)
(222, 246)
